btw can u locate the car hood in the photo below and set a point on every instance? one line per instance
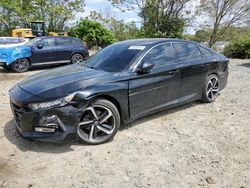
(61, 81)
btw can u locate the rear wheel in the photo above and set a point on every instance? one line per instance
(77, 58)
(20, 65)
(99, 123)
(211, 88)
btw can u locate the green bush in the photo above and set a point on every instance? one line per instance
(93, 33)
(239, 48)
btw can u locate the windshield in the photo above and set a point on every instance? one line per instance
(114, 58)
(32, 42)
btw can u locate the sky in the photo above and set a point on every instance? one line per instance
(129, 16)
(101, 5)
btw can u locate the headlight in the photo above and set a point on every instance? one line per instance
(59, 102)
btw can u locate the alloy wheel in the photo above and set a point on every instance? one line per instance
(77, 58)
(21, 65)
(212, 88)
(97, 124)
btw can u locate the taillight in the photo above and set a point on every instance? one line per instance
(85, 45)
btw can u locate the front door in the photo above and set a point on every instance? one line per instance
(157, 88)
(45, 53)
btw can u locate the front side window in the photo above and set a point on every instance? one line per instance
(186, 52)
(114, 58)
(161, 55)
(33, 41)
(48, 42)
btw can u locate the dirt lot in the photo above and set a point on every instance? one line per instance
(195, 145)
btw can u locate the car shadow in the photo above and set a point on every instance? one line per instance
(47, 147)
(36, 146)
(245, 65)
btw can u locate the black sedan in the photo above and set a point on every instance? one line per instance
(122, 82)
(48, 50)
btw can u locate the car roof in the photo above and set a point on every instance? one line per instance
(151, 41)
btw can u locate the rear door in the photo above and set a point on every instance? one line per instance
(45, 54)
(159, 87)
(63, 49)
(193, 69)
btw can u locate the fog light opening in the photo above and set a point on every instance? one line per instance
(45, 129)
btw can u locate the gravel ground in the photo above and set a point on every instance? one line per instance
(195, 145)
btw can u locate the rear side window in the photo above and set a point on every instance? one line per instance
(76, 42)
(161, 55)
(63, 41)
(204, 52)
(186, 52)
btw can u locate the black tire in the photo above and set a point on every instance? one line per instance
(20, 65)
(77, 58)
(211, 88)
(101, 131)
(7, 67)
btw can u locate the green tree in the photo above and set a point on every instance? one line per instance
(223, 14)
(159, 18)
(93, 33)
(121, 30)
(55, 13)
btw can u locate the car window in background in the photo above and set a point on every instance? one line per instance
(114, 58)
(12, 41)
(161, 55)
(186, 52)
(61, 41)
(1, 41)
(48, 42)
(33, 41)
(205, 53)
(76, 42)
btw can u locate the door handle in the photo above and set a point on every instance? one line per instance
(173, 71)
(204, 65)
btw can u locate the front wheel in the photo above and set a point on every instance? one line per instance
(20, 65)
(211, 88)
(99, 123)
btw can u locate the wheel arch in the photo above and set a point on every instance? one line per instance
(109, 98)
(77, 52)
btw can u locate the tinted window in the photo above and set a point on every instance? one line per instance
(205, 53)
(161, 55)
(33, 41)
(114, 58)
(48, 42)
(186, 52)
(76, 42)
(63, 41)
(1, 41)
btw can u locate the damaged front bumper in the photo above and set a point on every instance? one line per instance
(52, 125)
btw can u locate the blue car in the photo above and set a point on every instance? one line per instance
(43, 51)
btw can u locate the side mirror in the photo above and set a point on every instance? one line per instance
(39, 46)
(145, 67)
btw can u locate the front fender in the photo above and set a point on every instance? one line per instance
(117, 91)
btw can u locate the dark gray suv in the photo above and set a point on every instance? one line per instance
(50, 50)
